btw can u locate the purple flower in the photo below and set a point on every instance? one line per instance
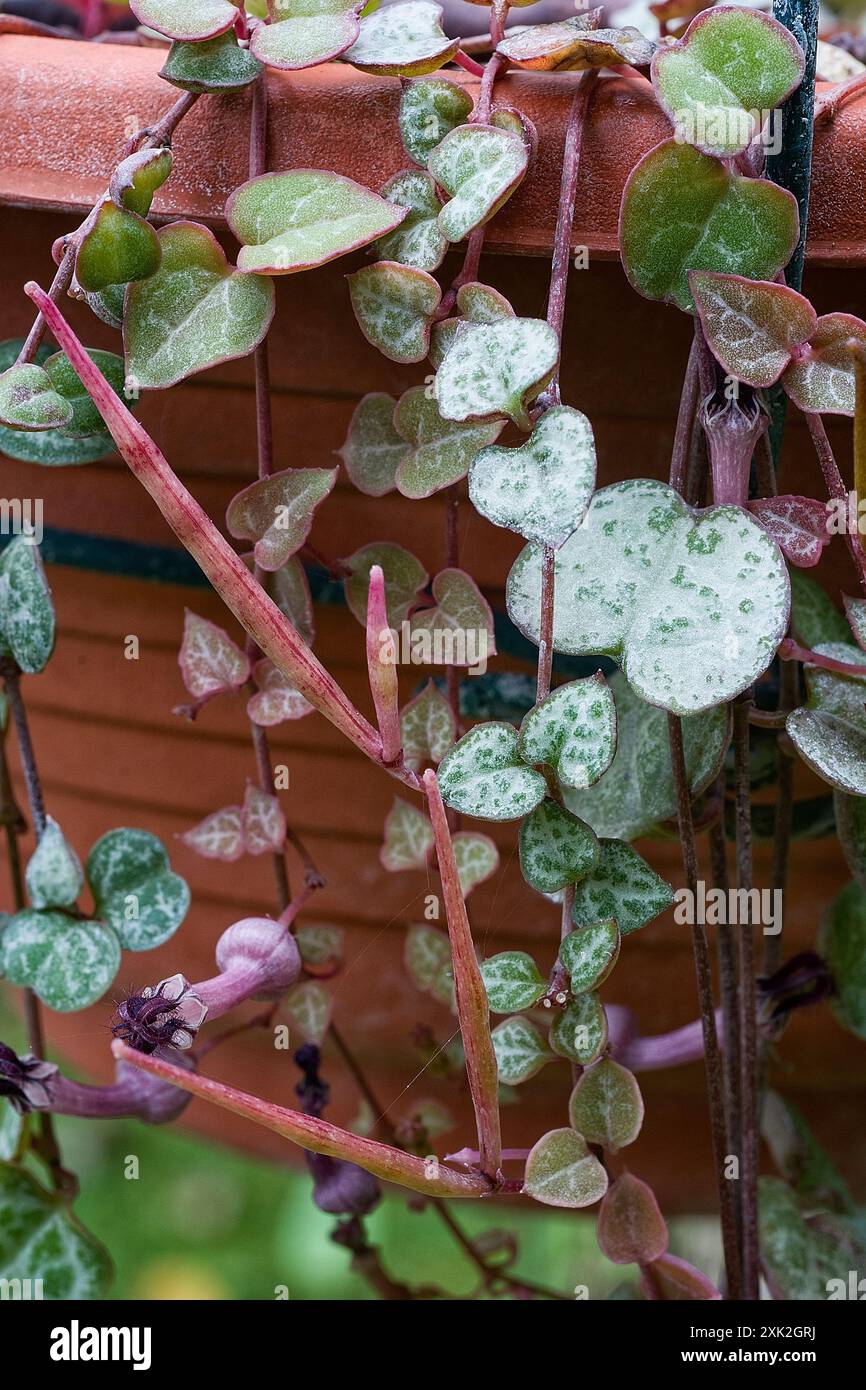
(166, 1014)
(23, 1080)
(339, 1187)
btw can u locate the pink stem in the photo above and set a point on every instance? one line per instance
(468, 64)
(382, 669)
(392, 1165)
(252, 607)
(472, 1008)
(835, 485)
(789, 650)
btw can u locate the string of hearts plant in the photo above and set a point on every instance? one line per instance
(685, 587)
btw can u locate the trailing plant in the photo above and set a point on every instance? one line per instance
(686, 587)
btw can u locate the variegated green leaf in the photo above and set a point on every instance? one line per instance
(373, 449)
(822, 377)
(211, 65)
(520, 1050)
(426, 953)
(408, 838)
(276, 699)
(752, 326)
(54, 875)
(137, 178)
(86, 422)
(185, 19)
(303, 33)
(441, 450)
(394, 305)
(805, 1260)
(606, 1105)
(850, 812)
(589, 955)
(417, 242)
(458, 629)
(134, 888)
(691, 604)
(290, 590)
(321, 948)
(28, 400)
(579, 1031)
(402, 40)
(427, 727)
(429, 109)
(277, 512)
(44, 1246)
(842, 943)
(569, 45)
(573, 731)
(118, 246)
(513, 982)
(68, 962)
(479, 166)
(26, 609)
(477, 859)
(309, 1006)
(194, 312)
(405, 577)
(829, 731)
(814, 616)
(561, 1171)
(555, 848)
(483, 775)
(623, 887)
(496, 369)
(637, 790)
(294, 221)
(683, 210)
(210, 662)
(542, 489)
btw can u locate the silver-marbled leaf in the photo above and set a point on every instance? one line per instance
(483, 775)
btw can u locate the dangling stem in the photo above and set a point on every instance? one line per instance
(729, 994)
(748, 1008)
(835, 486)
(685, 423)
(703, 973)
(382, 669)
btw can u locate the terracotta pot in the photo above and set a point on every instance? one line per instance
(112, 752)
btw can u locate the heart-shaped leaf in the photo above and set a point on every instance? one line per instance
(277, 512)
(803, 1260)
(542, 489)
(303, 33)
(28, 400)
(683, 210)
(570, 46)
(321, 948)
(479, 166)
(561, 1171)
(483, 775)
(134, 889)
(210, 662)
(513, 982)
(692, 604)
(277, 699)
(798, 525)
(496, 369)
(477, 303)
(458, 630)
(731, 66)
(210, 66)
(309, 1007)
(264, 825)
(194, 312)
(408, 838)
(294, 221)
(814, 616)
(417, 242)
(429, 109)
(26, 610)
(589, 955)
(842, 943)
(477, 859)
(118, 246)
(218, 836)
(42, 1243)
(850, 816)
(427, 951)
(441, 450)
(606, 1105)
(54, 874)
(394, 306)
(86, 422)
(573, 731)
(631, 1228)
(623, 887)
(402, 40)
(290, 590)
(829, 731)
(405, 577)
(752, 326)
(427, 727)
(69, 963)
(637, 791)
(137, 178)
(555, 848)
(56, 448)
(579, 1031)
(185, 19)
(373, 449)
(520, 1050)
(822, 379)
